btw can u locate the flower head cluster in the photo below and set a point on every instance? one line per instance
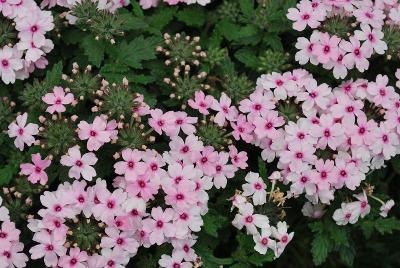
(146, 4)
(333, 49)
(11, 248)
(18, 60)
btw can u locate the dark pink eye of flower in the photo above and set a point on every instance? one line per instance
(183, 216)
(204, 159)
(369, 15)
(249, 219)
(180, 197)
(120, 241)
(142, 184)
(73, 261)
(7, 254)
(110, 263)
(218, 168)
(179, 121)
(371, 37)
(110, 204)
(38, 169)
(186, 248)
(57, 208)
(93, 133)
(240, 129)
(203, 105)
(343, 173)
(131, 164)
(177, 265)
(81, 199)
(34, 28)
(3, 235)
(78, 163)
(225, 109)
(327, 133)
(134, 212)
(310, 47)
(178, 179)
(58, 101)
(385, 138)
(279, 82)
(313, 95)
(363, 204)
(361, 130)
(340, 58)
(382, 92)
(324, 174)
(49, 248)
(327, 49)
(284, 239)
(269, 125)
(299, 155)
(357, 52)
(347, 216)
(160, 224)
(306, 17)
(20, 131)
(304, 179)
(350, 109)
(153, 167)
(57, 224)
(160, 123)
(258, 186)
(301, 136)
(185, 149)
(5, 63)
(257, 107)
(264, 241)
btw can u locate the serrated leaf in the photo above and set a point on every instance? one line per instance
(6, 174)
(162, 17)
(247, 7)
(262, 169)
(213, 222)
(320, 248)
(93, 49)
(54, 75)
(387, 225)
(347, 255)
(114, 72)
(247, 57)
(192, 16)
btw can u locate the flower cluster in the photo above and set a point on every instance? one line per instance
(146, 4)
(331, 44)
(18, 60)
(10, 247)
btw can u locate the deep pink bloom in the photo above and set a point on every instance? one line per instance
(201, 102)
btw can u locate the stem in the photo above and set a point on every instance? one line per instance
(377, 199)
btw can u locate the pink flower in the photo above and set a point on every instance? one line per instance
(256, 188)
(109, 205)
(35, 171)
(362, 132)
(143, 187)
(258, 103)
(95, 133)
(346, 108)
(183, 122)
(22, 131)
(206, 160)
(181, 196)
(372, 37)
(187, 220)
(185, 150)
(119, 240)
(146, 4)
(50, 248)
(160, 122)
(325, 174)
(174, 261)
(242, 129)
(132, 166)
(328, 132)
(348, 213)
(371, 16)
(386, 142)
(264, 241)
(159, 225)
(305, 15)
(307, 49)
(10, 62)
(75, 259)
(281, 234)
(8, 233)
(297, 155)
(327, 49)
(347, 174)
(13, 256)
(224, 109)
(381, 93)
(223, 171)
(251, 221)
(80, 165)
(266, 126)
(386, 207)
(357, 54)
(201, 102)
(282, 84)
(238, 159)
(365, 208)
(315, 96)
(57, 100)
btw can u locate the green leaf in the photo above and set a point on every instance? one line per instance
(247, 57)
(93, 49)
(7, 173)
(247, 7)
(347, 255)
(54, 75)
(262, 169)
(192, 16)
(213, 222)
(320, 248)
(395, 161)
(162, 17)
(387, 225)
(114, 72)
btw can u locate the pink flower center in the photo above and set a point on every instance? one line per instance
(178, 179)
(81, 199)
(179, 121)
(369, 15)
(110, 263)
(204, 160)
(183, 216)
(21, 131)
(343, 173)
(160, 224)
(327, 133)
(305, 17)
(38, 169)
(154, 167)
(327, 49)
(249, 219)
(304, 179)
(160, 123)
(73, 261)
(7, 254)
(363, 204)
(5, 63)
(3, 235)
(58, 101)
(93, 133)
(264, 241)
(142, 184)
(57, 224)
(313, 95)
(257, 107)
(357, 52)
(57, 208)
(34, 28)
(284, 239)
(49, 248)
(279, 83)
(361, 130)
(120, 241)
(185, 149)
(350, 109)
(78, 163)
(218, 168)
(385, 138)
(110, 204)
(301, 136)
(258, 186)
(134, 212)
(299, 155)
(186, 248)
(269, 125)
(180, 197)
(382, 92)
(347, 216)
(131, 164)
(371, 37)
(177, 265)
(324, 174)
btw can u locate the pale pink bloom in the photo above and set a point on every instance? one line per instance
(256, 188)
(143, 187)
(114, 258)
(357, 54)
(223, 171)
(386, 141)
(178, 173)
(362, 132)
(327, 49)
(159, 225)
(184, 248)
(266, 126)
(338, 66)
(160, 122)
(348, 213)
(183, 122)
(75, 259)
(185, 150)
(381, 93)
(281, 84)
(10, 62)
(49, 247)
(365, 208)
(313, 211)
(56, 204)
(13, 256)
(347, 174)
(305, 15)
(201, 102)
(238, 159)
(371, 16)
(181, 195)
(299, 132)
(242, 129)
(206, 159)
(55, 225)
(315, 96)
(174, 261)
(346, 109)
(224, 109)
(297, 155)
(393, 119)
(247, 218)
(109, 204)
(35, 25)
(22, 131)
(386, 207)
(187, 221)
(146, 4)
(81, 165)
(57, 100)
(119, 240)
(3, 212)
(328, 132)
(301, 181)
(307, 49)
(131, 166)
(372, 37)
(8, 233)
(95, 133)
(32, 48)
(325, 174)
(283, 237)
(264, 241)
(258, 103)
(35, 171)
